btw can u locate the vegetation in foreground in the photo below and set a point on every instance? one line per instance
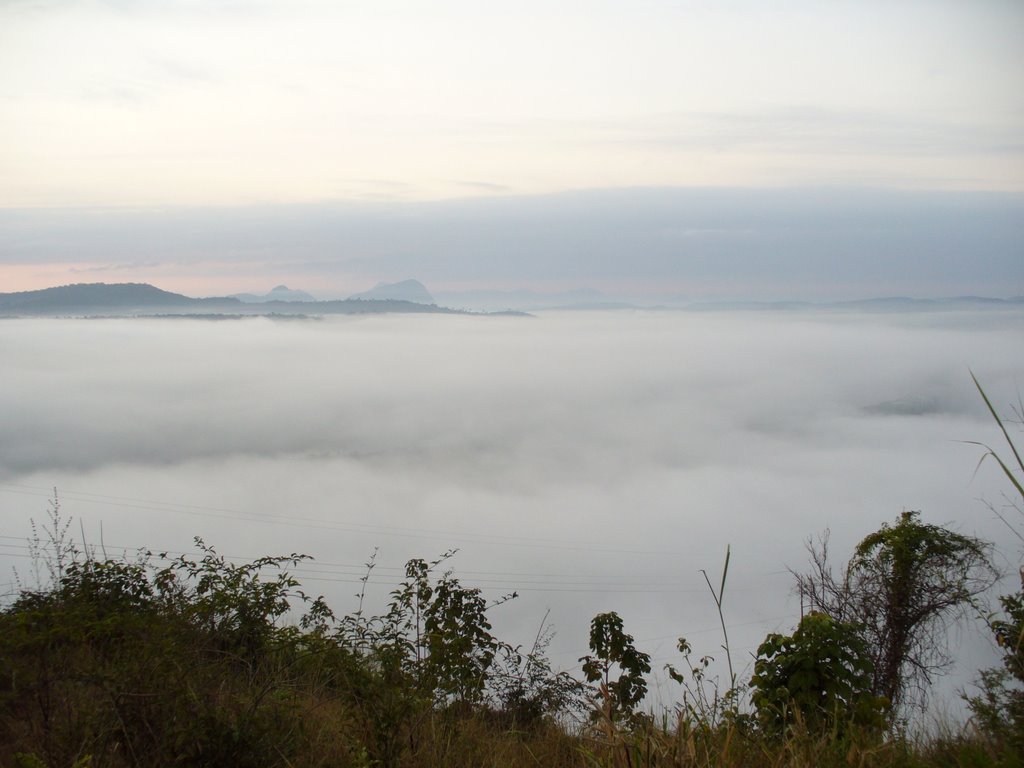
(198, 661)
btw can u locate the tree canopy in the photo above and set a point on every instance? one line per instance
(902, 587)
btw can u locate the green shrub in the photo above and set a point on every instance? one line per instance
(819, 676)
(140, 666)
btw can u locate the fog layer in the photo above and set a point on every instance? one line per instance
(591, 461)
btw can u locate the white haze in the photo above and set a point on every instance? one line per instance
(590, 461)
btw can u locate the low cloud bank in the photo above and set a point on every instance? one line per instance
(593, 461)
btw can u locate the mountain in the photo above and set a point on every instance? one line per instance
(93, 298)
(141, 299)
(406, 290)
(279, 293)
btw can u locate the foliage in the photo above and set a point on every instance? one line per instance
(127, 663)
(705, 704)
(911, 576)
(143, 666)
(613, 648)
(999, 707)
(820, 675)
(433, 648)
(1017, 464)
(902, 587)
(527, 689)
(438, 632)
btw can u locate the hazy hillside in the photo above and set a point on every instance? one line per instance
(278, 293)
(406, 290)
(94, 299)
(91, 296)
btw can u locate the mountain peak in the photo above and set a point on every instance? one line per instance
(277, 293)
(404, 290)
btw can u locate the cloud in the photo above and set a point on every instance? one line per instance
(135, 265)
(228, 102)
(483, 186)
(151, 79)
(593, 461)
(816, 130)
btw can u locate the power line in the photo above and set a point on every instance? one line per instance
(329, 525)
(511, 580)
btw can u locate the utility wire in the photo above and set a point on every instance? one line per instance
(511, 580)
(330, 525)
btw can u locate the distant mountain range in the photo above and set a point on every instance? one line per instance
(583, 299)
(131, 299)
(409, 296)
(406, 290)
(881, 305)
(279, 293)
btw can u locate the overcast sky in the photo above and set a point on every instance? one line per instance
(226, 106)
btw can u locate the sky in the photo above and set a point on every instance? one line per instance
(590, 461)
(245, 117)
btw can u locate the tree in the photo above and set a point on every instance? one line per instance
(611, 648)
(903, 586)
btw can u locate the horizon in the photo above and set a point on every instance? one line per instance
(635, 244)
(587, 294)
(680, 148)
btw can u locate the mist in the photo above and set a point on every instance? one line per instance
(657, 244)
(590, 461)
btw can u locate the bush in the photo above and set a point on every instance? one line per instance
(133, 665)
(819, 676)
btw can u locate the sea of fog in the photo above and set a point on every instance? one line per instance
(589, 461)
